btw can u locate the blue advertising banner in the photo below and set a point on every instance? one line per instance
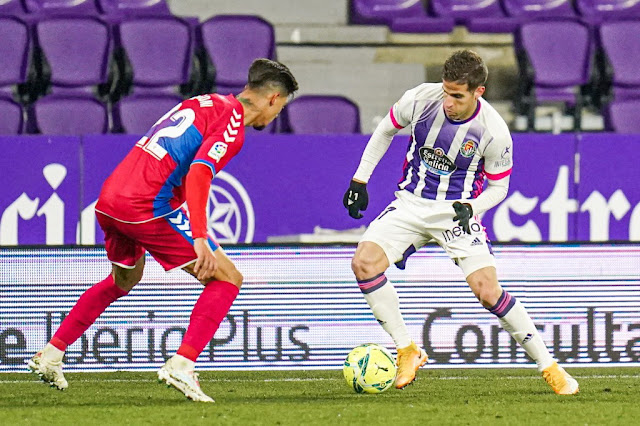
(289, 188)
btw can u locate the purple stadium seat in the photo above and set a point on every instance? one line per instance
(404, 16)
(15, 48)
(385, 11)
(622, 55)
(596, 11)
(77, 51)
(476, 15)
(555, 68)
(11, 8)
(232, 42)
(63, 7)
(533, 9)
(316, 114)
(68, 115)
(135, 7)
(11, 122)
(622, 116)
(159, 50)
(136, 114)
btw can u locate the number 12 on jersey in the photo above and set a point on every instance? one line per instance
(172, 125)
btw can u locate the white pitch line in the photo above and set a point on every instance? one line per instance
(320, 379)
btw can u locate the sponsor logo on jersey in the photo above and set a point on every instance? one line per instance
(506, 162)
(457, 231)
(469, 148)
(217, 151)
(436, 161)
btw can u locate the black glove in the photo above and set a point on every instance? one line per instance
(356, 199)
(463, 214)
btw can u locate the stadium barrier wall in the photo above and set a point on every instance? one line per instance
(566, 187)
(300, 308)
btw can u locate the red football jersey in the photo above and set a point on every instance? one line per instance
(149, 182)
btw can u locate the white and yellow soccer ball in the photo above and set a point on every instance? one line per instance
(370, 368)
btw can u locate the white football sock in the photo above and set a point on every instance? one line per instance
(385, 306)
(520, 326)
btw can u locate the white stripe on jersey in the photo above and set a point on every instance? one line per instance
(429, 141)
(452, 153)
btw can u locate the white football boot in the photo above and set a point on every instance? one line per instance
(49, 370)
(174, 373)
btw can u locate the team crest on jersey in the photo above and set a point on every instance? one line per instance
(217, 151)
(436, 162)
(469, 148)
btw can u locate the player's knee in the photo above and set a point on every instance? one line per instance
(231, 275)
(487, 291)
(126, 279)
(363, 267)
(236, 278)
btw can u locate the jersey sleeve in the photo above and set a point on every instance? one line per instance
(498, 156)
(401, 112)
(222, 143)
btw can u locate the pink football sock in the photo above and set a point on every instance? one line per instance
(209, 311)
(89, 306)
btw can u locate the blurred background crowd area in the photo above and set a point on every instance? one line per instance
(115, 66)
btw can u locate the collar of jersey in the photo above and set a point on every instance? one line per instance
(474, 115)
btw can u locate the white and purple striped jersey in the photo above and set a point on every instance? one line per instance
(448, 160)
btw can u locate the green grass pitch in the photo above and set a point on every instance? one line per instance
(438, 397)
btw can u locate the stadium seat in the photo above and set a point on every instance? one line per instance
(230, 43)
(135, 7)
(622, 116)
(62, 7)
(477, 15)
(11, 8)
(75, 52)
(534, 9)
(11, 116)
(554, 69)
(403, 16)
(68, 115)
(136, 114)
(385, 11)
(596, 11)
(15, 51)
(317, 114)
(155, 55)
(619, 59)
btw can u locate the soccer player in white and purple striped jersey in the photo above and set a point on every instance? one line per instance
(457, 140)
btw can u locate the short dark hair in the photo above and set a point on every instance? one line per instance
(265, 73)
(465, 66)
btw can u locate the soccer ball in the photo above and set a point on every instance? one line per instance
(369, 368)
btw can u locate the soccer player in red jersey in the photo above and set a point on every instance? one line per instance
(141, 208)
